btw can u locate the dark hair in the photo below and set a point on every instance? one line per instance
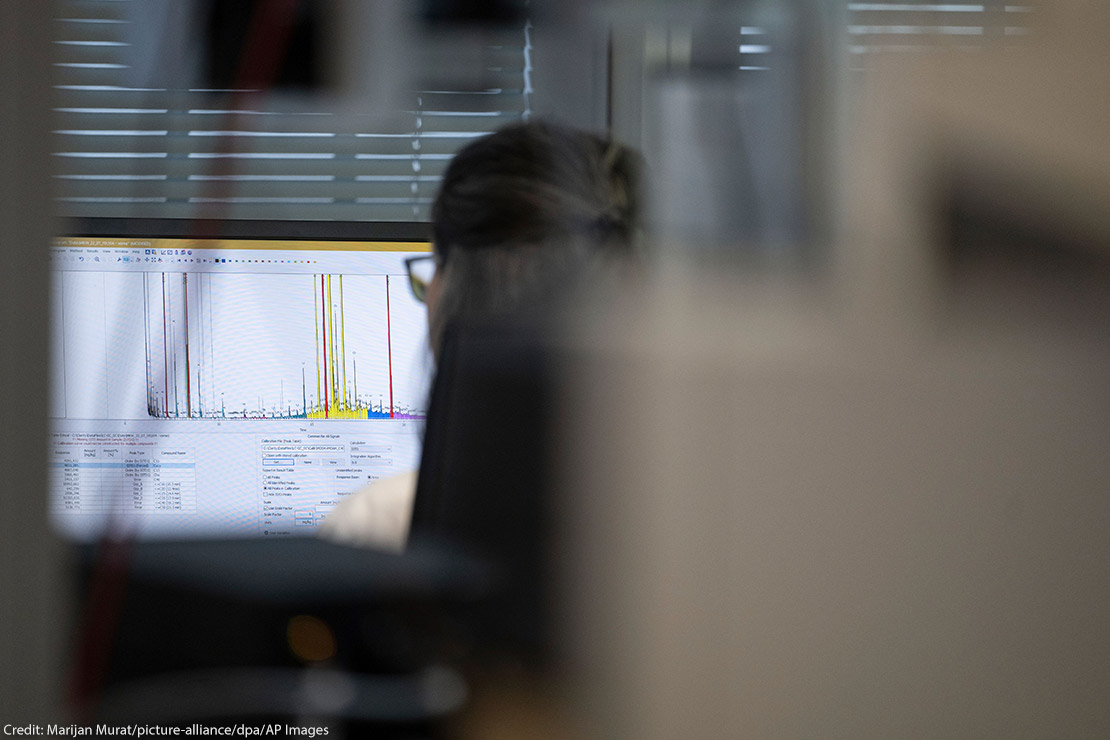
(524, 209)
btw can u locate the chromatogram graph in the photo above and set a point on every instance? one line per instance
(275, 346)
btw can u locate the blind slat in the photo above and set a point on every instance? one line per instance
(183, 169)
(347, 189)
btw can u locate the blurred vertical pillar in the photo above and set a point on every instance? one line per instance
(31, 609)
(571, 67)
(740, 106)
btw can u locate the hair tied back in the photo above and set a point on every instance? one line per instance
(606, 226)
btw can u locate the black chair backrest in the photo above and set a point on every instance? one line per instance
(484, 474)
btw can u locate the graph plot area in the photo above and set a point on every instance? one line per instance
(280, 346)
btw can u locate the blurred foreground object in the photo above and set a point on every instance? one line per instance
(878, 511)
(780, 535)
(34, 601)
(984, 173)
(220, 631)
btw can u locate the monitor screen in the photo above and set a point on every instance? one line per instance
(229, 386)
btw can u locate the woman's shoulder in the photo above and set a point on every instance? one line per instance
(377, 515)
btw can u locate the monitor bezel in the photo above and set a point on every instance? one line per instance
(183, 228)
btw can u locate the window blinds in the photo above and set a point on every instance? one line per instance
(145, 148)
(919, 25)
(130, 144)
(911, 26)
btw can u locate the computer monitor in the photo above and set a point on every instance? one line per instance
(236, 383)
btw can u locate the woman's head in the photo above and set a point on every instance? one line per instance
(523, 210)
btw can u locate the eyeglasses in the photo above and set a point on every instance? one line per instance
(421, 270)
